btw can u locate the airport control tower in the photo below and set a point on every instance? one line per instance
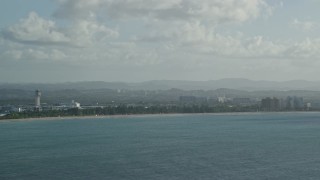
(37, 100)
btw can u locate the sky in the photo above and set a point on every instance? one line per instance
(141, 40)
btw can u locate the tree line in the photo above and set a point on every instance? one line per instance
(130, 110)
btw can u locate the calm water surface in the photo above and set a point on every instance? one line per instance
(238, 146)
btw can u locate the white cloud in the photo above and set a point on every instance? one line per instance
(34, 54)
(307, 49)
(169, 34)
(89, 32)
(11, 54)
(194, 37)
(213, 11)
(304, 25)
(77, 9)
(35, 29)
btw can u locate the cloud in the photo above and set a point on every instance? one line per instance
(77, 9)
(34, 54)
(194, 37)
(88, 32)
(304, 25)
(307, 49)
(11, 54)
(35, 30)
(38, 31)
(213, 11)
(170, 35)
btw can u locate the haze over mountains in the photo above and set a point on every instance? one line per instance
(231, 83)
(158, 91)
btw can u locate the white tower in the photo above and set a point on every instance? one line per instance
(37, 99)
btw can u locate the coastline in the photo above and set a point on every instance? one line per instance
(96, 117)
(148, 115)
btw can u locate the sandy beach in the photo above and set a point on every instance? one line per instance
(146, 115)
(91, 117)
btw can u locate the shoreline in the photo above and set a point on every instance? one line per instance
(147, 115)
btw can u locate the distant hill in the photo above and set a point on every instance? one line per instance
(68, 85)
(104, 96)
(231, 83)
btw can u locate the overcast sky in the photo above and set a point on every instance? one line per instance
(138, 40)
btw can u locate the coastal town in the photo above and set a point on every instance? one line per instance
(178, 104)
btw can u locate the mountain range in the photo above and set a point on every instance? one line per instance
(231, 83)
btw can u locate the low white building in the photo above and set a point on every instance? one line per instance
(75, 104)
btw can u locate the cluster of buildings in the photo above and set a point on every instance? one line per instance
(291, 103)
(4, 110)
(211, 101)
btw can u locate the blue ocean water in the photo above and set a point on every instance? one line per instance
(230, 146)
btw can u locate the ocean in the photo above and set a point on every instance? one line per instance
(205, 146)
